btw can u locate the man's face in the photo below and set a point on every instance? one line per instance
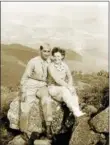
(45, 53)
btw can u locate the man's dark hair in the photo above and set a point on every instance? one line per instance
(41, 47)
(58, 49)
(44, 45)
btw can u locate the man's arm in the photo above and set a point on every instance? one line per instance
(28, 71)
(55, 76)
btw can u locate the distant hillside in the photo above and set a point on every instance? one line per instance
(72, 55)
(23, 53)
(13, 60)
(14, 57)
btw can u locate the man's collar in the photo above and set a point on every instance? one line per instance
(48, 60)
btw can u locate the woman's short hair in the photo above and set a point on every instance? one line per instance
(58, 49)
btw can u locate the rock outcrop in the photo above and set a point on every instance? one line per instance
(42, 142)
(35, 120)
(13, 113)
(86, 130)
(18, 140)
(90, 109)
(101, 121)
(83, 135)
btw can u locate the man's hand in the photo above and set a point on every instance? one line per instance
(22, 96)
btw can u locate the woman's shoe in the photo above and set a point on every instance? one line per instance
(79, 114)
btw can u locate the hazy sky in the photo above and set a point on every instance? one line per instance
(77, 25)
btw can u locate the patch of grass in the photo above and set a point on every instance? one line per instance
(7, 95)
(93, 90)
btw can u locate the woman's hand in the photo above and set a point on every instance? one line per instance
(72, 89)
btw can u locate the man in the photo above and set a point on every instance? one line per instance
(34, 83)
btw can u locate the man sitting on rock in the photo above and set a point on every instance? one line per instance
(34, 83)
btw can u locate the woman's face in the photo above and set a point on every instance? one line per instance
(57, 57)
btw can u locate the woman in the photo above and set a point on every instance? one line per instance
(60, 82)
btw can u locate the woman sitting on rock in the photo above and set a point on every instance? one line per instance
(60, 82)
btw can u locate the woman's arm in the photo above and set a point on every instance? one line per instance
(69, 76)
(71, 86)
(54, 75)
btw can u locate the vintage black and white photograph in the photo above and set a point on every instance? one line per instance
(54, 73)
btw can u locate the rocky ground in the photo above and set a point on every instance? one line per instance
(91, 129)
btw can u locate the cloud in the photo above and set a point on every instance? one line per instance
(74, 25)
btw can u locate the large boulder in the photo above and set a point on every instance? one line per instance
(13, 113)
(18, 140)
(82, 134)
(90, 109)
(42, 142)
(100, 122)
(35, 120)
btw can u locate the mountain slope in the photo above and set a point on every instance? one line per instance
(13, 61)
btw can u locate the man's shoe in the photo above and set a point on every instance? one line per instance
(48, 131)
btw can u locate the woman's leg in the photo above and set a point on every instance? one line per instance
(55, 92)
(71, 101)
(63, 94)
